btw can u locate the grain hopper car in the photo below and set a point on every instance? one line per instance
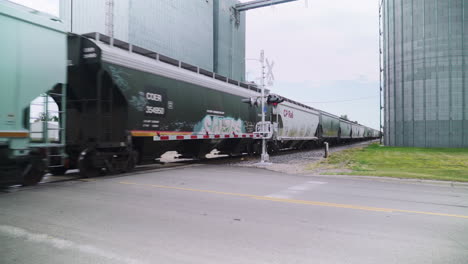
(33, 61)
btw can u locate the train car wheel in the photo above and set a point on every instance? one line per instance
(86, 167)
(132, 161)
(257, 147)
(249, 150)
(273, 148)
(33, 173)
(57, 171)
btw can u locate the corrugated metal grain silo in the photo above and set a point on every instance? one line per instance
(179, 29)
(229, 40)
(425, 51)
(84, 16)
(206, 33)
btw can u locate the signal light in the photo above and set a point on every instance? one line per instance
(274, 99)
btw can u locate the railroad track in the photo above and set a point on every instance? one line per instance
(280, 157)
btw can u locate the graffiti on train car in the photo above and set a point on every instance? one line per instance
(212, 124)
(118, 75)
(139, 101)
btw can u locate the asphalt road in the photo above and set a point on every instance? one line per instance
(224, 214)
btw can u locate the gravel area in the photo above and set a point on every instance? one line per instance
(296, 162)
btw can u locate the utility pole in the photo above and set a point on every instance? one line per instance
(381, 69)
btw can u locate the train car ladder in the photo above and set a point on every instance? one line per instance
(52, 138)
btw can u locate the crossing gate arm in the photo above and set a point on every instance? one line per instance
(297, 138)
(211, 136)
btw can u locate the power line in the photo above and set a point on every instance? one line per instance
(341, 101)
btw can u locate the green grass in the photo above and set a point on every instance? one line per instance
(401, 162)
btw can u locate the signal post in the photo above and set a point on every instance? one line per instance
(271, 99)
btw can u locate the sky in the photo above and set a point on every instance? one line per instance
(325, 53)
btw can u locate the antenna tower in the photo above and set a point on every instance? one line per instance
(110, 18)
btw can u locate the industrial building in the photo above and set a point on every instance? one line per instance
(206, 33)
(424, 72)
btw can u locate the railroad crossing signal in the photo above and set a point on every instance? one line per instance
(271, 99)
(274, 99)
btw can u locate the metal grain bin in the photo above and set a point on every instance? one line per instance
(229, 40)
(179, 29)
(425, 88)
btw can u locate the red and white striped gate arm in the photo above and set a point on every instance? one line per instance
(213, 136)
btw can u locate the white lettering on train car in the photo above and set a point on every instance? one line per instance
(154, 97)
(288, 113)
(154, 110)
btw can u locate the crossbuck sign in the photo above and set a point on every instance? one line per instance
(269, 76)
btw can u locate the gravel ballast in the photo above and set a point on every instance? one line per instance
(296, 162)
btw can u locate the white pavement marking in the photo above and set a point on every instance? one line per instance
(295, 190)
(63, 244)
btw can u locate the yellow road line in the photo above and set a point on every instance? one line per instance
(293, 201)
(349, 206)
(192, 190)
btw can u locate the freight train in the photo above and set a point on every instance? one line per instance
(124, 105)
